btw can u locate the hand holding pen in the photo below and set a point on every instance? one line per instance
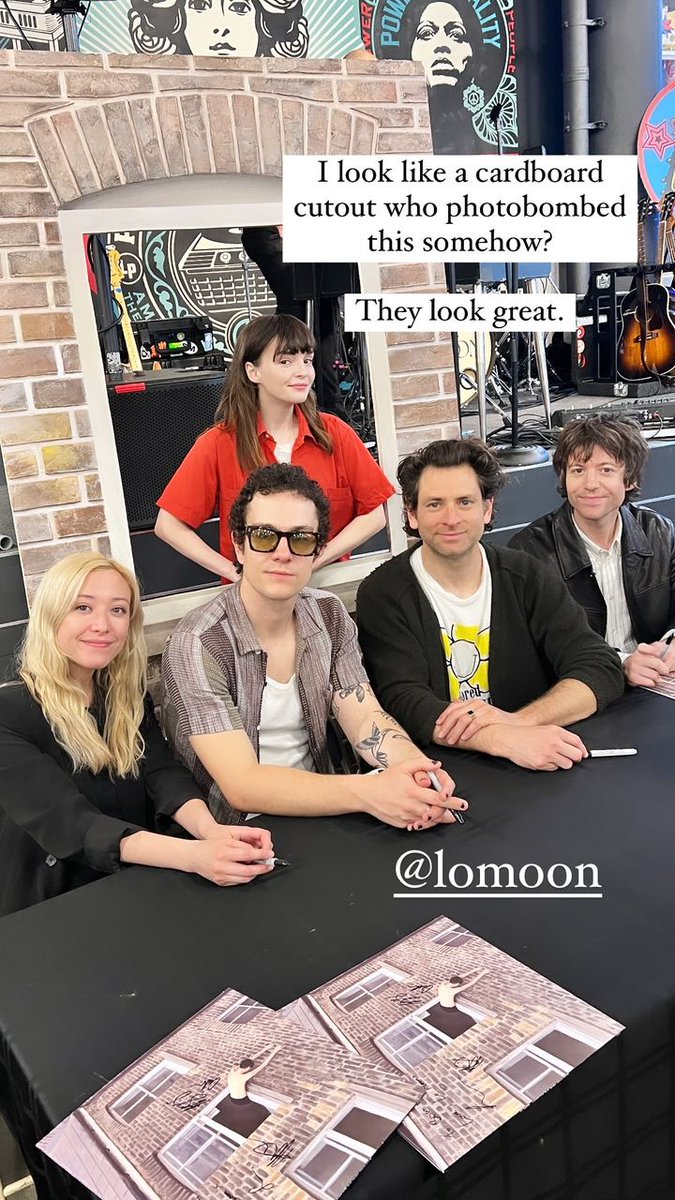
(437, 782)
(667, 640)
(650, 662)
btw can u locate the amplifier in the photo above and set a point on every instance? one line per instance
(171, 343)
(642, 411)
(156, 419)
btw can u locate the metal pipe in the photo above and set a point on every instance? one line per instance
(626, 71)
(576, 103)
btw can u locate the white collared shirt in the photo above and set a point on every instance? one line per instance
(606, 566)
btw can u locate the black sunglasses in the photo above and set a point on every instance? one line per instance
(264, 539)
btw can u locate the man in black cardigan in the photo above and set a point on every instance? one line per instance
(478, 647)
(616, 558)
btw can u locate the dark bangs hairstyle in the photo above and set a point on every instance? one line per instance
(453, 452)
(272, 480)
(620, 437)
(238, 409)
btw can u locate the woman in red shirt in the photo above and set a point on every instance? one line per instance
(269, 414)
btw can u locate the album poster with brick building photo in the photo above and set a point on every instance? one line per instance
(484, 1034)
(236, 1102)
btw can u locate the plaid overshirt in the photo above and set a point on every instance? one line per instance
(213, 677)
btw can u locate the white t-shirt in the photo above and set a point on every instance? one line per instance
(283, 451)
(465, 630)
(282, 733)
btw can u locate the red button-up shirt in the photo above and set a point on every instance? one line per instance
(210, 477)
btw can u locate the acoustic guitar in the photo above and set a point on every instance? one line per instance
(646, 347)
(669, 227)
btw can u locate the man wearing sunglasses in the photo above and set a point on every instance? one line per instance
(251, 678)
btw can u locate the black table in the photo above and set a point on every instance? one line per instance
(91, 980)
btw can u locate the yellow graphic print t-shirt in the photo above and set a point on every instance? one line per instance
(464, 630)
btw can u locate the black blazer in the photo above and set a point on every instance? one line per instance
(60, 828)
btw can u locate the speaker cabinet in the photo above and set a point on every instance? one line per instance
(156, 420)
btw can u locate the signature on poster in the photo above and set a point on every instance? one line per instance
(276, 1152)
(469, 1063)
(194, 1097)
(263, 1188)
(413, 995)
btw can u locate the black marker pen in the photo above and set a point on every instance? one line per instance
(666, 644)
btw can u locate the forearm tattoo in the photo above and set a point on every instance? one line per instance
(373, 745)
(360, 690)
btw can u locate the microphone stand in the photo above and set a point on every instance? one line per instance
(514, 455)
(69, 11)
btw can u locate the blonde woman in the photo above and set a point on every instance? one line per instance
(85, 775)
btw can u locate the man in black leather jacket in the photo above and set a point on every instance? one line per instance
(617, 558)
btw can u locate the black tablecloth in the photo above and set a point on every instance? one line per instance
(93, 979)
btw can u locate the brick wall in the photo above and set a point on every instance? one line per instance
(72, 125)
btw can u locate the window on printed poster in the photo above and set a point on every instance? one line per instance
(242, 1011)
(424, 1032)
(456, 936)
(195, 1153)
(371, 985)
(137, 1098)
(338, 1154)
(544, 1060)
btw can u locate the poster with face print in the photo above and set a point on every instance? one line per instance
(222, 28)
(467, 48)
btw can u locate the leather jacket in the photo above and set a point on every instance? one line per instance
(647, 565)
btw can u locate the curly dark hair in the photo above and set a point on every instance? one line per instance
(620, 437)
(272, 481)
(158, 27)
(453, 452)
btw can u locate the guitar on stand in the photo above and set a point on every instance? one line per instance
(646, 348)
(668, 225)
(116, 277)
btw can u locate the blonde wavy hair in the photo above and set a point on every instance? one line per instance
(45, 670)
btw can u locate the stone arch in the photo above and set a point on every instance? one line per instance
(75, 125)
(90, 147)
